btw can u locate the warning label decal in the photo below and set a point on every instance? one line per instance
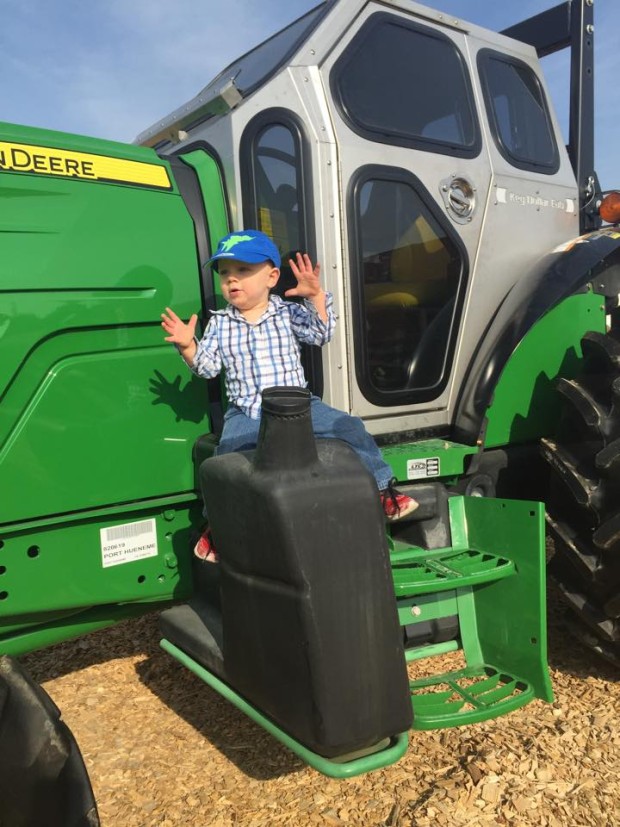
(128, 542)
(44, 160)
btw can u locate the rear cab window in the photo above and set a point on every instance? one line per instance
(518, 113)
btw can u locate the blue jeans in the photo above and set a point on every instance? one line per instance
(240, 433)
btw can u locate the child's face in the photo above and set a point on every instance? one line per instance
(246, 286)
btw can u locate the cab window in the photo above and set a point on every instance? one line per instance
(408, 278)
(518, 113)
(276, 185)
(401, 83)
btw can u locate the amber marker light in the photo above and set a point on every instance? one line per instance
(610, 208)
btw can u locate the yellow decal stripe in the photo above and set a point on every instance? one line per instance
(45, 160)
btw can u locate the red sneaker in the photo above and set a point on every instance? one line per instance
(205, 549)
(396, 505)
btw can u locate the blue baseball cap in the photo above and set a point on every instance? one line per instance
(250, 246)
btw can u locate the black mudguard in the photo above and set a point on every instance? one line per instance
(43, 780)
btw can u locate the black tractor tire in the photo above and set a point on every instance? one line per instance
(583, 506)
(43, 779)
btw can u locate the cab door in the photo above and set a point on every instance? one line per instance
(413, 177)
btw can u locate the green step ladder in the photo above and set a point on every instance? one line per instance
(493, 579)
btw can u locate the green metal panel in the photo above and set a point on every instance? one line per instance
(50, 573)
(510, 613)
(428, 459)
(95, 407)
(425, 607)
(50, 631)
(525, 404)
(84, 429)
(69, 565)
(98, 414)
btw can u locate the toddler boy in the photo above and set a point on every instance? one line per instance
(256, 340)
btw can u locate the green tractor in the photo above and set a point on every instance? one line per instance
(476, 288)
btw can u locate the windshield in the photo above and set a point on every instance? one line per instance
(253, 68)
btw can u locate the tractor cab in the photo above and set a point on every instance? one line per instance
(328, 141)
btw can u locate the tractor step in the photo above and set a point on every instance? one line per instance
(466, 696)
(445, 569)
(469, 600)
(471, 614)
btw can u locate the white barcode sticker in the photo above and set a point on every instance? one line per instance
(128, 542)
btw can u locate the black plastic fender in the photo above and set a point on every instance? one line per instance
(593, 258)
(43, 780)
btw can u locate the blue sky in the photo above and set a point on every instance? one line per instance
(111, 68)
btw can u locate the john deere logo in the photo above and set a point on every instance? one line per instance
(44, 160)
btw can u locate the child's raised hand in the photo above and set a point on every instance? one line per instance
(308, 284)
(178, 332)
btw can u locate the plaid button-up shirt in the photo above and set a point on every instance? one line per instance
(264, 353)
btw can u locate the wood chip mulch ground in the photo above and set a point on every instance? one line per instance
(164, 750)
